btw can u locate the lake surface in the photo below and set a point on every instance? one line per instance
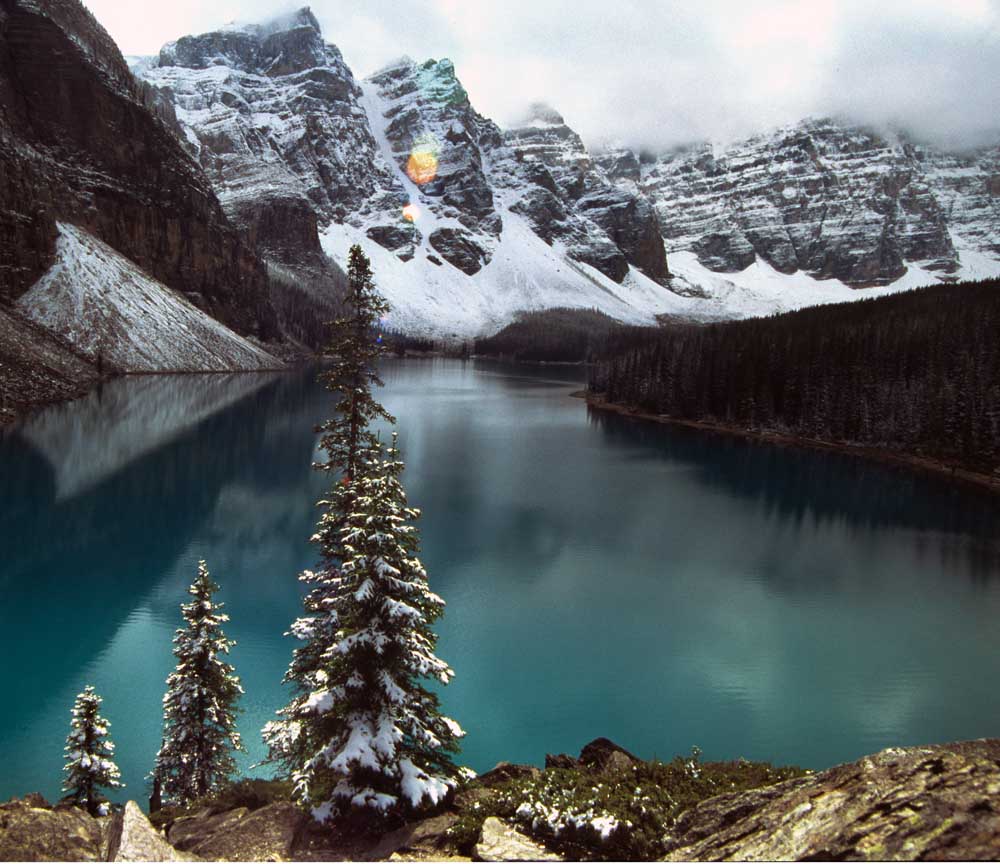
(661, 587)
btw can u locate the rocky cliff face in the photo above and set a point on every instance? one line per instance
(438, 143)
(570, 198)
(78, 143)
(298, 149)
(823, 198)
(272, 114)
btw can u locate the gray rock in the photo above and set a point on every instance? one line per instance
(824, 198)
(133, 838)
(500, 842)
(428, 837)
(602, 754)
(602, 224)
(459, 249)
(921, 803)
(504, 772)
(267, 834)
(32, 832)
(393, 237)
(560, 760)
(187, 832)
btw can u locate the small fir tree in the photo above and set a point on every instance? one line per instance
(89, 751)
(200, 705)
(363, 732)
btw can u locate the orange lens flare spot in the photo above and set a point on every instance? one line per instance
(411, 212)
(422, 166)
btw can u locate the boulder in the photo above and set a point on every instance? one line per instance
(427, 838)
(504, 772)
(133, 838)
(603, 754)
(267, 834)
(500, 842)
(188, 831)
(921, 803)
(32, 831)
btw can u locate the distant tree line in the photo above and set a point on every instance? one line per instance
(553, 335)
(916, 372)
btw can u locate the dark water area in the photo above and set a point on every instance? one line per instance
(662, 587)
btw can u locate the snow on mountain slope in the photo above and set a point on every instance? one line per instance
(497, 222)
(760, 290)
(523, 274)
(115, 314)
(825, 198)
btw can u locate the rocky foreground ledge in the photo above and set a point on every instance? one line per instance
(922, 803)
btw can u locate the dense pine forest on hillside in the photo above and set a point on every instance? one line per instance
(916, 373)
(553, 335)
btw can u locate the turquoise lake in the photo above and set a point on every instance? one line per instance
(604, 577)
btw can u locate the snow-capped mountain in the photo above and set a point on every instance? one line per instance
(402, 163)
(237, 167)
(827, 200)
(468, 224)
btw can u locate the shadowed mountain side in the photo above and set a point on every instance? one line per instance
(78, 143)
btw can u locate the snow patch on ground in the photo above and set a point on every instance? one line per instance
(108, 308)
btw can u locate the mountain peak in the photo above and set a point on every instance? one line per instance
(302, 17)
(542, 114)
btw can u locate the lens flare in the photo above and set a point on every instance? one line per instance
(422, 166)
(411, 212)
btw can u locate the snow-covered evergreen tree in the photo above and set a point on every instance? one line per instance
(363, 731)
(200, 705)
(89, 755)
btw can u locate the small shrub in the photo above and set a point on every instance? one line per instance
(614, 815)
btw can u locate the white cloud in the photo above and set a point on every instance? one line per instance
(658, 72)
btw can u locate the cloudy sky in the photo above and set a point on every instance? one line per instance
(655, 73)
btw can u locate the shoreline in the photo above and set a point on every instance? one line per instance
(988, 482)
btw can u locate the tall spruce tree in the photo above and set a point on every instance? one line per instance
(89, 751)
(200, 705)
(362, 732)
(353, 351)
